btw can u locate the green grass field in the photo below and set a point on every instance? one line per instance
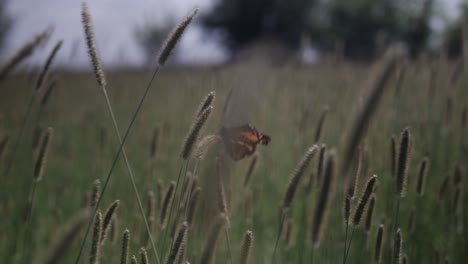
(282, 102)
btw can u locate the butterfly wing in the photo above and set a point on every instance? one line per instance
(240, 141)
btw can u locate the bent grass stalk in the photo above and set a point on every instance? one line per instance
(101, 80)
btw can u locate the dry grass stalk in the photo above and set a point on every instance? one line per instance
(378, 248)
(165, 205)
(404, 158)
(92, 49)
(178, 248)
(423, 168)
(66, 237)
(192, 206)
(246, 248)
(443, 187)
(209, 250)
(321, 121)
(381, 73)
(319, 221)
(154, 143)
(144, 256)
(174, 37)
(95, 255)
(24, 52)
(222, 202)
(151, 213)
(397, 248)
(95, 193)
(108, 216)
(46, 67)
(296, 176)
(253, 161)
(412, 221)
(43, 153)
(353, 185)
(370, 213)
(48, 93)
(125, 247)
(365, 196)
(133, 260)
(393, 156)
(194, 131)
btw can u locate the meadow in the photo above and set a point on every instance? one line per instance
(289, 103)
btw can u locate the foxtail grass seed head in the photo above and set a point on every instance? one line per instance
(124, 255)
(381, 73)
(318, 131)
(43, 153)
(209, 249)
(144, 256)
(114, 229)
(458, 175)
(397, 248)
(205, 145)
(46, 67)
(346, 208)
(92, 49)
(443, 187)
(95, 193)
(66, 236)
(296, 176)
(108, 216)
(178, 248)
(23, 53)
(423, 168)
(404, 259)
(457, 200)
(359, 211)
(165, 205)
(353, 185)
(133, 260)
(370, 213)
(320, 165)
(404, 158)
(3, 144)
(154, 143)
(194, 131)
(319, 221)
(95, 255)
(246, 248)
(174, 37)
(222, 202)
(193, 205)
(208, 101)
(378, 247)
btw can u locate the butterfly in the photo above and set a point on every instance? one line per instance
(241, 141)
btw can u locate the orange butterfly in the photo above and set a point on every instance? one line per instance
(241, 141)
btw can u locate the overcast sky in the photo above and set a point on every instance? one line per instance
(114, 24)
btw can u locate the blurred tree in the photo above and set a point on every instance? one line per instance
(5, 24)
(453, 40)
(355, 24)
